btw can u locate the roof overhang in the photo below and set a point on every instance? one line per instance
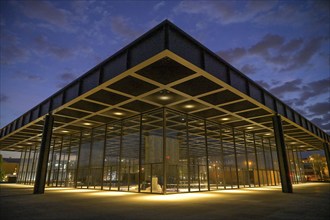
(164, 67)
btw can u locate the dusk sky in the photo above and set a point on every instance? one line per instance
(282, 45)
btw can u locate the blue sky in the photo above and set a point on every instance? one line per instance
(282, 45)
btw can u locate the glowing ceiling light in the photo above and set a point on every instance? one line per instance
(164, 97)
(249, 127)
(65, 131)
(189, 106)
(225, 119)
(118, 113)
(87, 123)
(268, 134)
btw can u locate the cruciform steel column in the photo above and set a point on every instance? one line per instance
(281, 154)
(39, 184)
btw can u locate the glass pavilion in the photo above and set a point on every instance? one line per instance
(162, 115)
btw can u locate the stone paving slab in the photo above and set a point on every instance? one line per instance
(309, 201)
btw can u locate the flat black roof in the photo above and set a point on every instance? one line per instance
(163, 59)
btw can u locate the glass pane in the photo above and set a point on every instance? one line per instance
(176, 152)
(83, 177)
(152, 152)
(229, 158)
(197, 154)
(112, 157)
(96, 163)
(215, 157)
(130, 155)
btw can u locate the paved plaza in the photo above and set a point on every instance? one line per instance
(309, 201)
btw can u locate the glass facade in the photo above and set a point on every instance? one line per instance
(161, 151)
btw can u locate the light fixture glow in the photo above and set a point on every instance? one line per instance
(268, 134)
(87, 123)
(249, 127)
(189, 106)
(65, 131)
(118, 113)
(224, 119)
(164, 97)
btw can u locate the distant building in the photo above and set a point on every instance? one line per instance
(9, 167)
(162, 115)
(315, 168)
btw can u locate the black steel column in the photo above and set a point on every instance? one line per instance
(223, 159)
(247, 160)
(39, 184)
(256, 155)
(327, 154)
(281, 155)
(207, 156)
(164, 153)
(140, 152)
(235, 152)
(188, 150)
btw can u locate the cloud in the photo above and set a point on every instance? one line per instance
(47, 12)
(11, 50)
(305, 93)
(319, 108)
(291, 86)
(305, 54)
(268, 42)
(262, 83)
(27, 77)
(291, 46)
(321, 113)
(311, 15)
(226, 12)
(121, 27)
(158, 5)
(65, 78)
(12, 54)
(285, 55)
(233, 54)
(316, 88)
(3, 98)
(323, 122)
(44, 45)
(248, 69)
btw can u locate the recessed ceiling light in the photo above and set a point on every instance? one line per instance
(65, 131)
(225, 119)
(189, 106)
(249, 127)
(118, 113)
(87, 123)
(164, 97)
